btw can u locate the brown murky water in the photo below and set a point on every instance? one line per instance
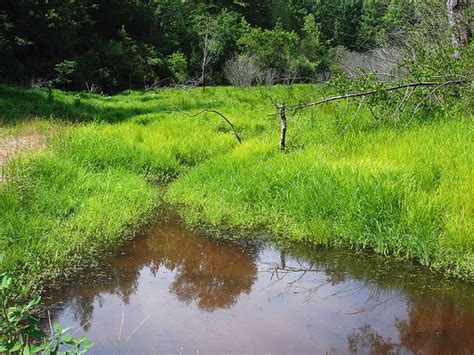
(175, 292)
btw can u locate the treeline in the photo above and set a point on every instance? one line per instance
(113, 45)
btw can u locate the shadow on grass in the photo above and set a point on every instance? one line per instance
(19, 104)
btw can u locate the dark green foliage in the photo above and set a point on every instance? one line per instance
(112, 45)
(272, 48)
(372, 28)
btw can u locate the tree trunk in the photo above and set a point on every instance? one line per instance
(282, 260)
(203, 77)
(460, 29)
(206, 55)
(283, 128)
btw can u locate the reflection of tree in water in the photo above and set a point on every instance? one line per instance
(304, 276)
(440, 314)
(432, 327)
(211, 272)
(438, 327)
(83, 309)
(112, 279)
(214, 273)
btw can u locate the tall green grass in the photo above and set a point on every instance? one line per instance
(56, 215)
(407, 195)
(347, 179)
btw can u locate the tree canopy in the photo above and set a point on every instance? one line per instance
(121, 44)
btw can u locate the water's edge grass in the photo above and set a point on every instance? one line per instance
(403, 192)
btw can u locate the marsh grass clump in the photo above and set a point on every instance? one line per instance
(55, 214)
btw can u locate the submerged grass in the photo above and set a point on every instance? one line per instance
(347, 179)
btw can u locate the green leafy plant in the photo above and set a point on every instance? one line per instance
(20, 331)
(64, 71)
(50, 92)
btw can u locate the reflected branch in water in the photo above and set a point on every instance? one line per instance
(305, 277)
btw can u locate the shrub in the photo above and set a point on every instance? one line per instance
(242, 70)
(178, 67)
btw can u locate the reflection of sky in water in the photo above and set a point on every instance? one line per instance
(175, 290)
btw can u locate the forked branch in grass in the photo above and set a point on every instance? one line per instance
(234, 132)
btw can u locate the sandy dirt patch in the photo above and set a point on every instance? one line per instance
(13, 145)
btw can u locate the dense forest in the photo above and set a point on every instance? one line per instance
(112, 45)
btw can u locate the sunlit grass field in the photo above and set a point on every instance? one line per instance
(347, 179)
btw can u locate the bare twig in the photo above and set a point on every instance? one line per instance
(432, 92)
(236, 135)
(297, 107)
(354, 116)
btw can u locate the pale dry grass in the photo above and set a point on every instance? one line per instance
(26, 137)
(11, 145)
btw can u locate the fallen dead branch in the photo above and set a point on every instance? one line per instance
(375, 91)
(234, 132)
(295, 108)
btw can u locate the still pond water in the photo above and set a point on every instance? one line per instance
(171, 291)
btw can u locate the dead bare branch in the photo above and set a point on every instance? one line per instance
(234, 132)
(375, 91)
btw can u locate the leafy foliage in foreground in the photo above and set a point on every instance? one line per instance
(20, 331)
